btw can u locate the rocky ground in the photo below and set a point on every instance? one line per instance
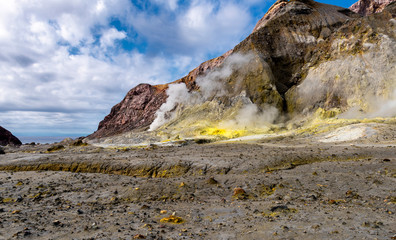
(278, 188)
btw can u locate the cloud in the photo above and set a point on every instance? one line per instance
(197, 28)
(196, 25)
(110, 35)
(76, 59)
(74, 124)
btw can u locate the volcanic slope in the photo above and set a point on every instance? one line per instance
(303, 59)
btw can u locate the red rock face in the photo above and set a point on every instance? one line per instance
(6, 138)
(367, 7)
(135, 111)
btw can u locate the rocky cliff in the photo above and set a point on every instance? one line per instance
(367, 7)
(301, 56)
(6, 138)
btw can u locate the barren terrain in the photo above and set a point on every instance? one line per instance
(288, 187)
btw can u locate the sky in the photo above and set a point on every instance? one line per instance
(65, 63)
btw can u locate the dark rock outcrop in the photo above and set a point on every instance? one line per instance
(6, 138)
(367, 7)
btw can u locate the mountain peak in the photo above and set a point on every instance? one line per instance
(296, 8)
(367, 7)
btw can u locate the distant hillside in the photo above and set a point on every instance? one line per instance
(6, 138)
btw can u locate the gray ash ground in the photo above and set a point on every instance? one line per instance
(332, 191)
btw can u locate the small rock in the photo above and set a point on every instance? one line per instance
(78, 143)
(148, 226)
(279, 208)
(172, 219)
(55, 148)
(316, 226)
(239, 193)
(79, 211)
(213, 181)
(366, 224)
(26, 233)
(56, 223)
(284, 227)
(139, 236)
(164, 212)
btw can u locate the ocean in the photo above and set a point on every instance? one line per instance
(43, 140)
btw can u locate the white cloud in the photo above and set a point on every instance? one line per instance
(40, 78)
(61, 69)
(214, 26)
(110, 35)
(199, 29)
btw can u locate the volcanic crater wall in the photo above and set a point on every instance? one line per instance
(296, 44)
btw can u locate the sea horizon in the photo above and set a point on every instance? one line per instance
(43, 139)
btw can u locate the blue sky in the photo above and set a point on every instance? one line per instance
(65, 63)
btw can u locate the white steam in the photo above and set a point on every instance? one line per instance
(385, 108)
(212, 85)
(250, 116)
(363, 83)
(177, 93)
(379, 107)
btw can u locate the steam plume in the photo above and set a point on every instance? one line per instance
(212, 85)
(177, 93)
(250, 116)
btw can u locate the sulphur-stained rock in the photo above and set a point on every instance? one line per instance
(172, 219)
(353, 69)
(6, 138)
(301, 56)
(367, 7)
